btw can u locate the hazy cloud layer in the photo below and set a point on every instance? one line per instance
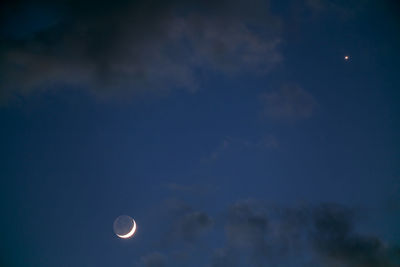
(289, 102)
(132, 46)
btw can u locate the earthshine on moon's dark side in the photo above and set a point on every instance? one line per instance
(124, 226)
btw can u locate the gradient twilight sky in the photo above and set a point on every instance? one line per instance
(235, 133)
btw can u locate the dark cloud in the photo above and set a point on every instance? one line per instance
(324, 235)
(246, 226)
(335, 239)
(192, 225)
(132, 46)
(252, 233)
(262, 235)
(186, 224)
(246, 230)
(289, 102)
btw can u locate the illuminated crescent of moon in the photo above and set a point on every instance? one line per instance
(131, 232)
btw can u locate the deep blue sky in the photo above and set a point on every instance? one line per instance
(214, 125)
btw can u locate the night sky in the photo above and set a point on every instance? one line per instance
(235, 133)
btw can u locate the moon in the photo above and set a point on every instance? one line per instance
(124, 227)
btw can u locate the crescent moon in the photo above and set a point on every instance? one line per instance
(131, 232)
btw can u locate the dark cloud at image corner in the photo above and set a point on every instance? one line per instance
(127, 47)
